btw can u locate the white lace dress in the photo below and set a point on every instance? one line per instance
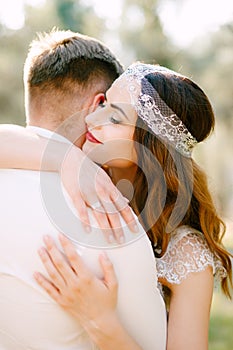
(187, 252)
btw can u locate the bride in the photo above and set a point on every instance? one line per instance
(143, 135)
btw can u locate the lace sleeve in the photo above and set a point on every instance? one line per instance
(187, 252)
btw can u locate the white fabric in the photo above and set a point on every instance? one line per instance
(29, 318)
(48, 134)
(187, 252)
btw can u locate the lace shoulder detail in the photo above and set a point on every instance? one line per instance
(187, 252)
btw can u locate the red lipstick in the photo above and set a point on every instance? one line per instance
(91, 138)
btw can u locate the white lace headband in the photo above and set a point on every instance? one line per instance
(150, 107)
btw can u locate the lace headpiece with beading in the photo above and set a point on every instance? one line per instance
(151, 108)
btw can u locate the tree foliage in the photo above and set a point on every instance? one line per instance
(141, 32)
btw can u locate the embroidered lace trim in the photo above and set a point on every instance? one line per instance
(187, 252)
(161, 120)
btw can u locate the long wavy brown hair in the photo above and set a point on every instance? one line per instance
(170, 189)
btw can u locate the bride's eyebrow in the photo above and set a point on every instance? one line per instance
(119, 109)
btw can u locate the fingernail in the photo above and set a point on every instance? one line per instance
(111, 238)
(87, 228)
(61, 236)
(41, 251)
(106, 258)
(104, 255)
(47, 239)
(121, 239)
(36, 275)
(135, 228)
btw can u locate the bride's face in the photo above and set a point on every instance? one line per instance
(109, 139)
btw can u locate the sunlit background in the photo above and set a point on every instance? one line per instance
(194, 37)
(195, 16)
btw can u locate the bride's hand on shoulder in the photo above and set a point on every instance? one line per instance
(90, 186)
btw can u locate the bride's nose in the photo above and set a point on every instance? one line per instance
(95, 120)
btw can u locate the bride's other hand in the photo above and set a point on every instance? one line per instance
(74, 287)
(90, 300)
(89, 185)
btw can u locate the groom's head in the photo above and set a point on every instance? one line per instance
(65, 77)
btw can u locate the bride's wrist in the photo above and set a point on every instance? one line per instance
(72, 158)
(57, 155)
(108, 332)
(103, 326)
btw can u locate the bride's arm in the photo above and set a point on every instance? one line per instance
(23, 149)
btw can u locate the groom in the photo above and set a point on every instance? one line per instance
(66, 74)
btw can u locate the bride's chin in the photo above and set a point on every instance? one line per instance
(92, 151)
(88, 147)
(84, 147)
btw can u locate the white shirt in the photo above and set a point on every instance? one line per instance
(33, 204)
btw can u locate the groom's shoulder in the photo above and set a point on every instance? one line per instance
(19, 180)
(8, 174)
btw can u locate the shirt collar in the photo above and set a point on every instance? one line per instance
(48, 134)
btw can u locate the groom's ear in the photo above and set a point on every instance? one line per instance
(98, 99)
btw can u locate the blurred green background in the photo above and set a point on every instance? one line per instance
(194, 37)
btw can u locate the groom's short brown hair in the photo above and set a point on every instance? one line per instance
(64, 63)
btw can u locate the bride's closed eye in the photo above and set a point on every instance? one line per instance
(113, 119)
